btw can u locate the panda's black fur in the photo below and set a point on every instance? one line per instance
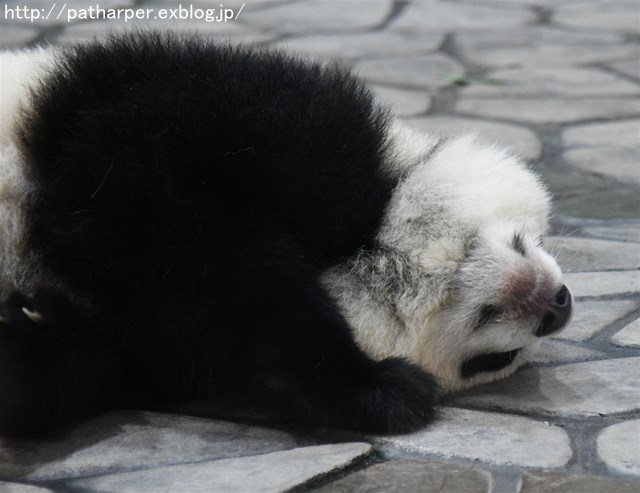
(186, 198)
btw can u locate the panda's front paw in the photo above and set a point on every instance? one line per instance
(43, 310)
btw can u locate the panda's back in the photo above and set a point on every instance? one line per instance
(149, 152)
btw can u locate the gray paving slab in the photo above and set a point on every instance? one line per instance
(603, 283)
(520, 3)
(126, 440)
(561, 482)
(541, 46)
(549, 55)
(429, 72)
(599, 199)
(586, 254)
(439, 16)
(629, 336)
(533, 35)
(609, 149)
(554, 351)
(616, 15)
(593, 388)
(619, 447)
(404, 102)
(488, 437)
(267, 473)
(615, 230)
(325, 16)
(12, 36)
(413, 477)
(224, 32)
(630, 68)
(247, 6)
(550, 109)
(590, 317)
(553, 81)
(6, 487)
(521, 140)
(365, 45)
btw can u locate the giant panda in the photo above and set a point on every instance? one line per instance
(182, 220)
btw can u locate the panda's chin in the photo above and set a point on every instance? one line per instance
(489, 362)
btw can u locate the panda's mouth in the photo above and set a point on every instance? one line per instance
(488, 363)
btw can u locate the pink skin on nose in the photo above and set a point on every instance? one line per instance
(519, 285)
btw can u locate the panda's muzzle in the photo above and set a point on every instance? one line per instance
(557, 313)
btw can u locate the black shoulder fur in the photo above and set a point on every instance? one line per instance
(187, 198)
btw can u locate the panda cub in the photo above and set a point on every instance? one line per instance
(181, 220)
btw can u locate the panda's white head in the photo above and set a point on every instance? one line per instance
(460, 283)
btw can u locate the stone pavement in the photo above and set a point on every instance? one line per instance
(556, 80)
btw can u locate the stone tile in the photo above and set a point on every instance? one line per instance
(587, 254)
(403, 102)
(605, 200)
(540, 3)
(616, 134)
(561, 482)
(541, 46)
(431, 71)
(590, 317)
(629, 67)
(272, 472)
(366, 45)
(59, 14)
(550, 56)
(615, 230)
(618, 15)
(412, 477)
(603, 283)
(555, 81)
(629, 336)
(613, 162)
(550, 110)
(15, 36)
(521, 140)
(223, 31)
(531, 36)
(123, 441)
(235, 5)
(326, 16)
(495, 438)
(611, 149)
(619, 447)
(439, 16)
(553, 351)
(22, 488)
(585, 389)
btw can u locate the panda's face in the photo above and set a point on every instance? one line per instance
(461, 284)
(506, 295)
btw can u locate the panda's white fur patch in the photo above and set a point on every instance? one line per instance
(446, 251)
(19, 71)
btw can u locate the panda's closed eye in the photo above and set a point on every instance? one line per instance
(487, 314)
(517, 243)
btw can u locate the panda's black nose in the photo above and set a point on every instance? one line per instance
(557, 313)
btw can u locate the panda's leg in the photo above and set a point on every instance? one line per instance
(55, 368)
(302, 346)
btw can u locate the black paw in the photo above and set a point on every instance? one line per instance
(45, 309)
(396, 397)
